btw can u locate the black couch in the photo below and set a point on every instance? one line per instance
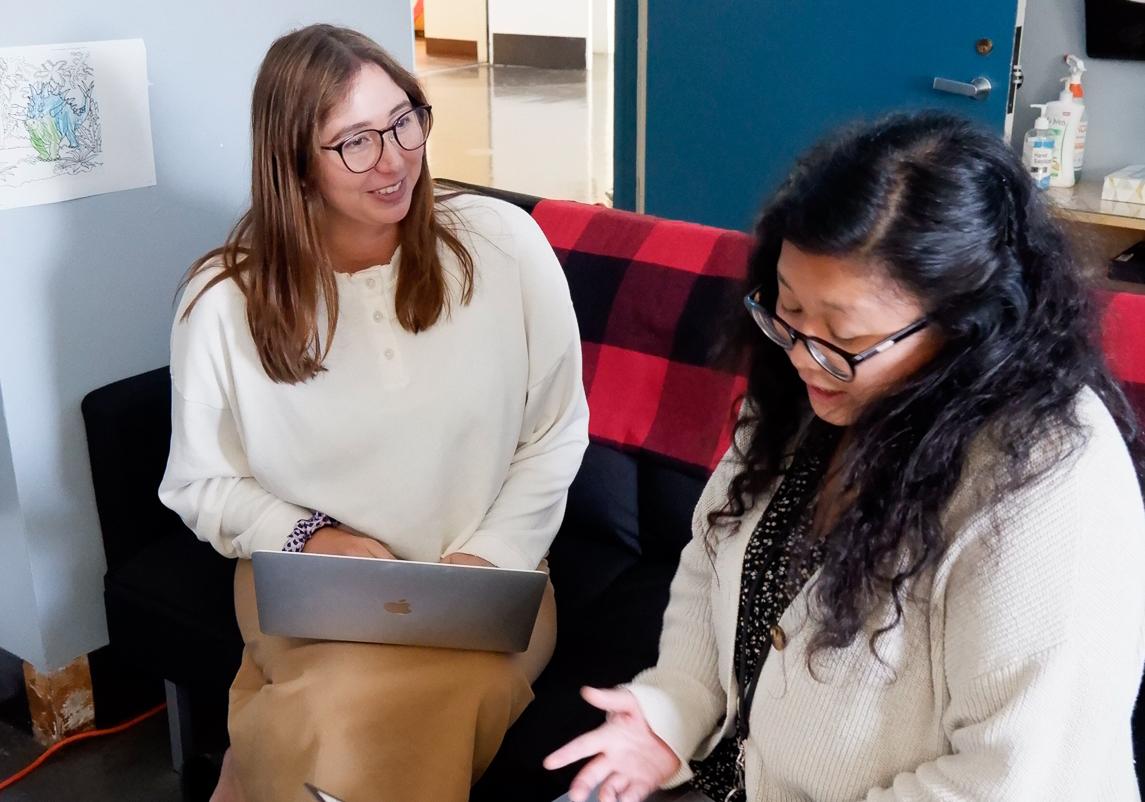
(169, 596)
(170, 609)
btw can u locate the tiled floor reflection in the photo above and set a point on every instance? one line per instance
(542, 132)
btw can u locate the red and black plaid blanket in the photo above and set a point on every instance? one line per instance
(1123, 340)
(650, 296)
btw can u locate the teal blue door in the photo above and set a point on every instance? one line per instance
(736, 89)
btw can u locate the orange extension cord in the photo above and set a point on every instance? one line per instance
(71, 739)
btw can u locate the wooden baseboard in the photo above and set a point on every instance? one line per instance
(454, 48)
(60, 701)
(549, 52)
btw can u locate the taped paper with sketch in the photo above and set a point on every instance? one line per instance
(75, 120)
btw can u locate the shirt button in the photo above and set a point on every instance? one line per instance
(389, 353)
(377, 317)
(370, 283)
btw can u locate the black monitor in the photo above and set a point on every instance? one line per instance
(1115, 29)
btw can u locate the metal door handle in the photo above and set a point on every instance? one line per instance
(978, 89)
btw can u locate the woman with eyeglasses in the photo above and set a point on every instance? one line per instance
(368, 368)
(919, 573)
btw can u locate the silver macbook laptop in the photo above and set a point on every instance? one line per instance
(362, 599)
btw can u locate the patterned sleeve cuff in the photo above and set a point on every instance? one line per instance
(305, 529)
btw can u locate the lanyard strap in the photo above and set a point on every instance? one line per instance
(745, 686)
(807, 470)
(722, 775)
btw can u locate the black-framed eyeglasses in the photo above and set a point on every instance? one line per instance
(362, 151)
(839, 363)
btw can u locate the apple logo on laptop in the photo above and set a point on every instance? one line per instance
(400, 607)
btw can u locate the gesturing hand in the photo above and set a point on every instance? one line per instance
(631, 761)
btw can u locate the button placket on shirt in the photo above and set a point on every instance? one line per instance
(379, 299)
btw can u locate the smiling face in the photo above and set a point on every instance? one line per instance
(365, 204)
(853, 305)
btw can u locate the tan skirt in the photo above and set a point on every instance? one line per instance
(367, 722)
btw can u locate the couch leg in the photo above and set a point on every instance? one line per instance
(60, 701)
(179, 723)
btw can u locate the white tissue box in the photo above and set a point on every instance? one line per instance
(1127, 185)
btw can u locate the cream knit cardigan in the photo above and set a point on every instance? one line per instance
(1012, 677)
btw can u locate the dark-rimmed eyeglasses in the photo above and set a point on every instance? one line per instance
(362, 150)
(839, 363)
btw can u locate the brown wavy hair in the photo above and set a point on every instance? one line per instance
(275, 252)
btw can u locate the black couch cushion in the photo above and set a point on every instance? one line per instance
(599, 538)
(610, 642)
(128, 426)
(172, 603)
(169, 596)
(609, 629)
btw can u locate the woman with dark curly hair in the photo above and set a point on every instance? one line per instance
(918, 573)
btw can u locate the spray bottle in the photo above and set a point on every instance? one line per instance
(1068, 124)
(1076, 67)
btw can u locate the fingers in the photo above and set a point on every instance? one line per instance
(589, 778)
(355, 545)
(333, 540)
(637, 792)
(591, 743)
(461, 558)
(375, 549)
(610, 700)
(613, 787)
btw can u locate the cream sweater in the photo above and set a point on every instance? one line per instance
(464, 437)
(1012, 678)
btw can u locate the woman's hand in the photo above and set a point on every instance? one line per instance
(461, 558)
(335, 540)
(631, 761)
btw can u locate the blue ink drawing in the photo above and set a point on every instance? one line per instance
(49, 118)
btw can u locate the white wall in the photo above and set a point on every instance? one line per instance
(571, 18)
(16, 587)
(458, 19)
(541, 17)
(603, 26)
(89, 284)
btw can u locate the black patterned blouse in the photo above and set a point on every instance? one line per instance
(767, 586)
